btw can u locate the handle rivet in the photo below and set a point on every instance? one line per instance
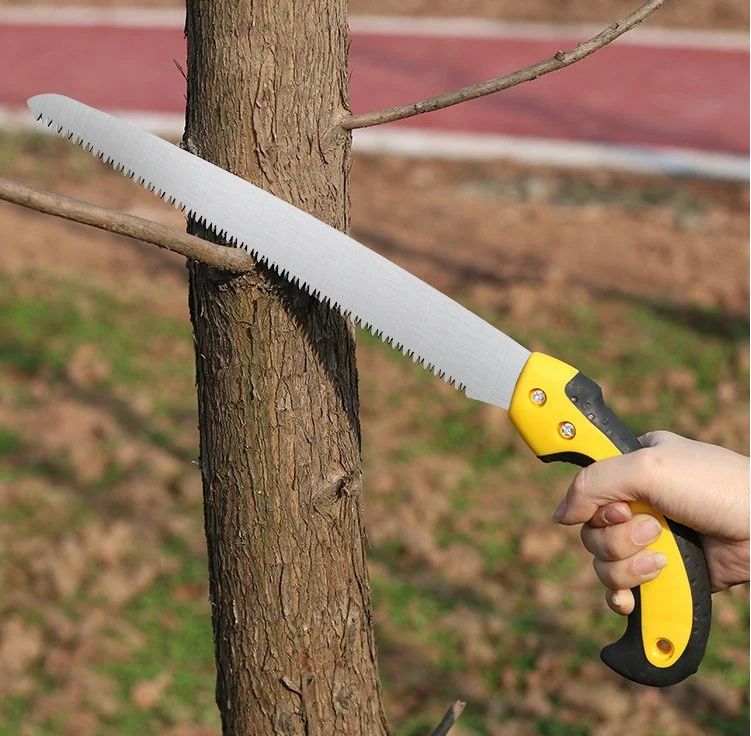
(538, 396)
(567, 430)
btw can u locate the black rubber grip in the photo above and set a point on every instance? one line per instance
(626, 656)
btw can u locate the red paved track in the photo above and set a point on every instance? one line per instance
(625, 94)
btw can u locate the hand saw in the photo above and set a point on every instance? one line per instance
(558, 411)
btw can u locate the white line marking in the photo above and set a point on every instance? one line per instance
(490, 29)
(45, 15)
(402, 141)
(389, 25)
(549, 152)
(168, 125)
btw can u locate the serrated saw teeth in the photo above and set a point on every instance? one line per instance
(477, 361)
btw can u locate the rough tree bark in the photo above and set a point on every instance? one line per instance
(277, 386)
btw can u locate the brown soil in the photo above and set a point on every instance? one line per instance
(519, 242)
(519, 238)
(505, 236)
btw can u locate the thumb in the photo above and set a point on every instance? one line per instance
(702, 486)
(629, 477)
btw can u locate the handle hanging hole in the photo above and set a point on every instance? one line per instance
(665, 648)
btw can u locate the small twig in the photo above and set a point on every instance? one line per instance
(180, 69)
(218, 256)
(451, 717)
(184, 75)
(559, 60)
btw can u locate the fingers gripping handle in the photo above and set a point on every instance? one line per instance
(662, 645)
(562, 416)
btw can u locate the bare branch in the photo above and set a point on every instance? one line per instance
(451, 717)
(559, 60)
(218, 256)
(180, 69)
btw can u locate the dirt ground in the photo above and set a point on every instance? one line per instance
(600, 267)
(486, 230)
(715, 14)
(494, 223)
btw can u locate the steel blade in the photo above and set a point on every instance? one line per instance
(404, 311)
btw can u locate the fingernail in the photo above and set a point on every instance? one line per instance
(560, 511)
(646, 531)
(616, 514)
(649, 564)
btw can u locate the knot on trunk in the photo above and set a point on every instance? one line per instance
(332, 490)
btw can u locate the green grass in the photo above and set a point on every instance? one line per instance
(410, 607)
(10, 441)
(715, 661)
(12, 714)
(45, 320)
(549, 726)
(183, 648)
(726, 725)
(43, 160)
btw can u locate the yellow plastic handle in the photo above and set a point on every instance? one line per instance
(561, 415)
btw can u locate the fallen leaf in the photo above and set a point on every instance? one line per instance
(20, 646)
(540, 544)
(146, 694)
(607, 701)
(86, 367)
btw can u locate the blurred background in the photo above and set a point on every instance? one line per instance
(599, 214)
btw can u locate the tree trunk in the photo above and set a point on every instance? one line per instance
(277, 386)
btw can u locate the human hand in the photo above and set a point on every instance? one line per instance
(702, 486)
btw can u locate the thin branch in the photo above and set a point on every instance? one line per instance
(180, 69)
(559, 60)
(451, 717)
(218, 256)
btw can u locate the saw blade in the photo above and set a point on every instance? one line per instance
(404, 311)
